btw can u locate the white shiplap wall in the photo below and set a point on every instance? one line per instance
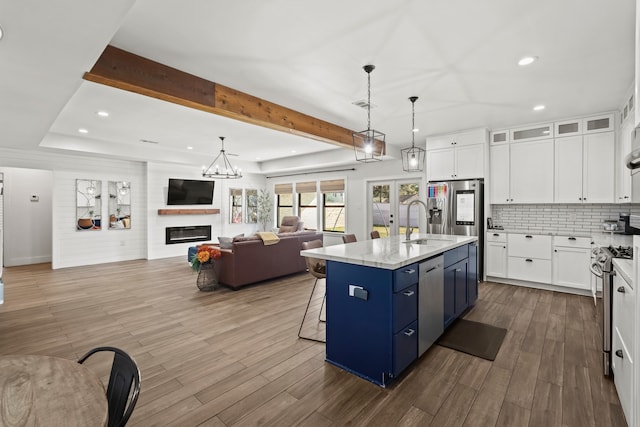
(158, 179)
(69, 246)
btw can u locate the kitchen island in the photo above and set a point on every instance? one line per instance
(388, 300)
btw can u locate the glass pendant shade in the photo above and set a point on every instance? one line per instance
(413, 158)
(369, 144)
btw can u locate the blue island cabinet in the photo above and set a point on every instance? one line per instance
(372, 316)
(372, 313)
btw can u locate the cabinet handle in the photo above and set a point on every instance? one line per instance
(409, 293)
(507, 200)
(584, 199)
(528, 236)
(579, 198)
(621, 289)
(529, 260)
(458, 270)
(619, 353)
(504, 247)
(555, 250)
(431, 269)
(496, 234)
(410, 332)
(626, 197)
(572, 238)
(410, 271)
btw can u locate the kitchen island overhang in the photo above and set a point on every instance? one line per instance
(380, 299)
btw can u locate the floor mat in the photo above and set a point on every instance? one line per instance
(474, 338)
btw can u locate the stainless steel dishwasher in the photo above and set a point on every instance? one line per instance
(430, 302)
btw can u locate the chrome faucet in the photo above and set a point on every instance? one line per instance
(409, 228)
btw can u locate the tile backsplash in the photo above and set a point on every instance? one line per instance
(573, 218)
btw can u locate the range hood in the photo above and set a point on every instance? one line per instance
(633, 159)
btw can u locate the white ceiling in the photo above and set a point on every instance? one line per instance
(458, 56)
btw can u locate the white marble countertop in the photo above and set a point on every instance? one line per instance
(624, 267)
(389, 253)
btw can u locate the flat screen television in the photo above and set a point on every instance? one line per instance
(190, 192)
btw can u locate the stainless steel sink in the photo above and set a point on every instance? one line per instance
(433, 241)
(421, 242)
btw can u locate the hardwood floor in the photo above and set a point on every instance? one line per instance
(233, 358)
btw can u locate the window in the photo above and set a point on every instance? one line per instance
(235, 202)
(308, 204)
(333, 212)
(284, 193)
(251, 197)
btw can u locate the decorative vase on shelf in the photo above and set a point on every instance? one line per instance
(207, 277)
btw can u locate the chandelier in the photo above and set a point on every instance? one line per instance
(413, 157)
(368, 144)
(221, 167)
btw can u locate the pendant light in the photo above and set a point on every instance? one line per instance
(221, 167)
(413, 157)
(369, 144)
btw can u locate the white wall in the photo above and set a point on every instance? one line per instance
(27, 224)
(157, 180)
(69, 247)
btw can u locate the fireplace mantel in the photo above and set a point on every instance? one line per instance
(188, 211)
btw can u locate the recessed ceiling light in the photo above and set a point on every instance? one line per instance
(294, 151)
(416, 130)
(527, 60)
(189, 148)
(538, 108)
(83, 130)
(258, 158)
(103, 113)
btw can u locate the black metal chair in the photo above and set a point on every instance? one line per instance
(124, 382)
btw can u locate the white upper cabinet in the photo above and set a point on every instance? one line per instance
(467, 137)
(595, 124)
(584, 168)
(531, 172)
(568, 169)
(456, 163)
(599, 167)
(500, 188)
(568, 128)
(459, 155)
(531, 133)
(500, 137)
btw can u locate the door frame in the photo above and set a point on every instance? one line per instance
(394, 206)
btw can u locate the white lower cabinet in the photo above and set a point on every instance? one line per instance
(571, 261)
(496, 254)
(622, 346)
(529, 257)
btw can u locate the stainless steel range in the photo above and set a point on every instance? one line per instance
(602, 267)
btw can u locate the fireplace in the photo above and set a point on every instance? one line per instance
(192, 233)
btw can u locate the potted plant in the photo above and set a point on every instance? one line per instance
(265, 209)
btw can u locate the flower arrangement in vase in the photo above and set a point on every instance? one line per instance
(202, 262)
(204, 255)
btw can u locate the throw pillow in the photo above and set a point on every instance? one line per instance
(226, 242)
(287, 228)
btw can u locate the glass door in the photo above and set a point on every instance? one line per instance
(388, 201)
(380, 216)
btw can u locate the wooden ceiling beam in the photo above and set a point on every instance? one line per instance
(124, 70)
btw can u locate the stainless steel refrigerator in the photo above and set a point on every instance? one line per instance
(457, 207)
